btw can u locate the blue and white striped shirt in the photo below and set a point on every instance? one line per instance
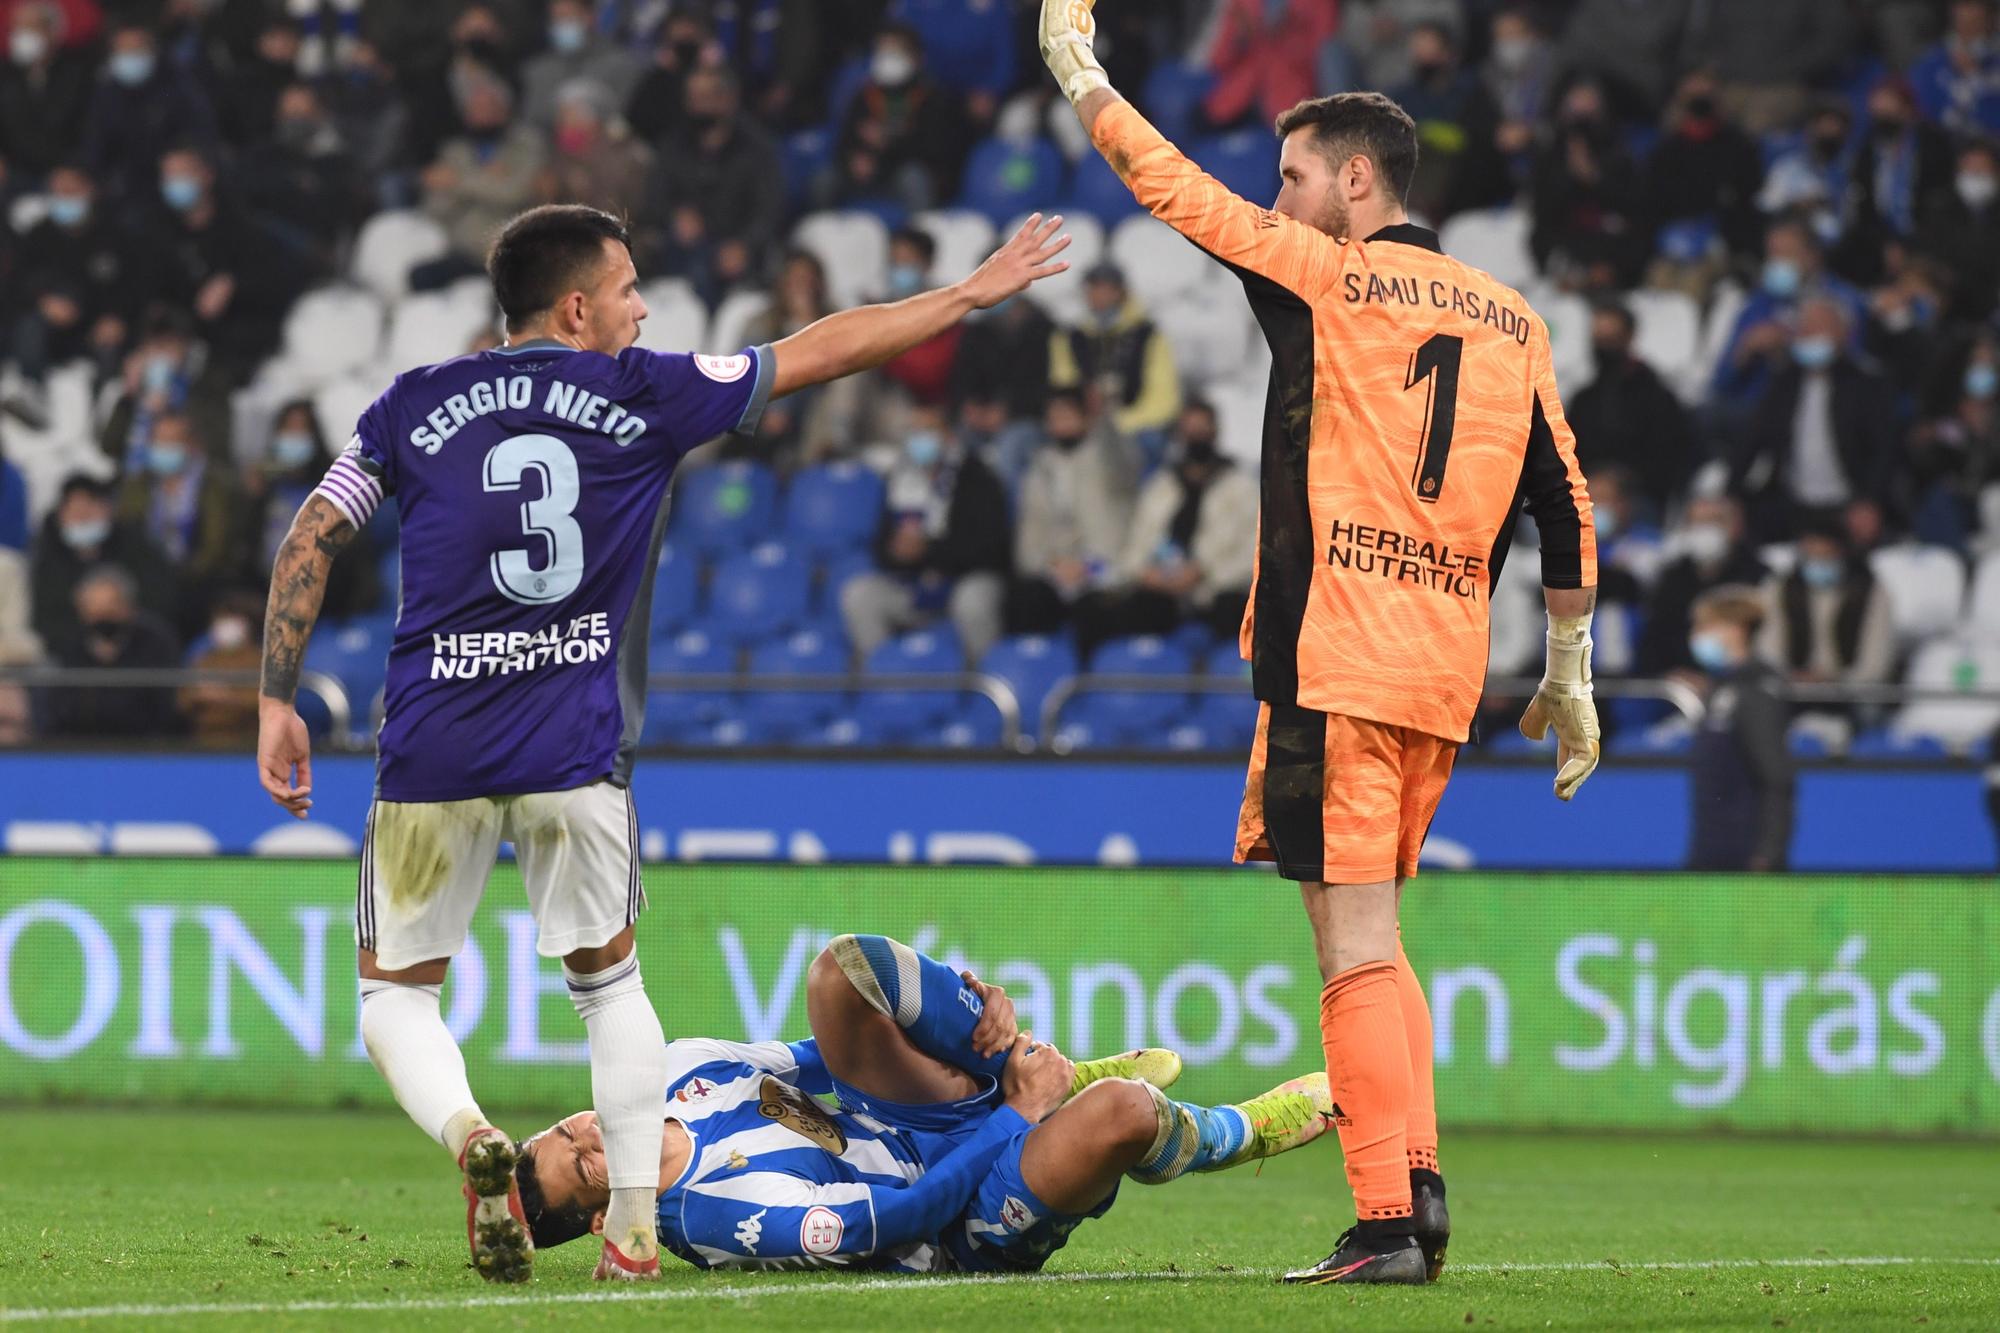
(777, 1180)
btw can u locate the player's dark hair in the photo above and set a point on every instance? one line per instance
(547, 253)
(1365, 124)
(548, 1225)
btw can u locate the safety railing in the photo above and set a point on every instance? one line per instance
(995, 690)
(326, 688)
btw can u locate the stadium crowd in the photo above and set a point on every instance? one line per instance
(1766, 238)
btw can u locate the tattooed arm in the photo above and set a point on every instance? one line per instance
(298, 585)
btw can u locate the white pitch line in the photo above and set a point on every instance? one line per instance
(912, 1285)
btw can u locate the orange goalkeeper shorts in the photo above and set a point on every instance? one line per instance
(1339, 800)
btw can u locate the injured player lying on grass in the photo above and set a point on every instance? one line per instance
(957, 1143)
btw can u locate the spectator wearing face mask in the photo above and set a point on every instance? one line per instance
(225, 716)
(1629, 554)
(246, 94)
(596, 159)
(903, 134)
(925, 370)
(1761, 339)
(168, 371)
(577, 53)
(1588, 198)
(189, 508)
(371, 116)
(1959, 231)
(1814, 174)
(73, 281)
(275, 487)
(114, 631)
(1701, 189)
(80, 533)
(1822, 436)
(658, 102)
(481, 178)
(1955, 452)
(1520, 78)
(302, 178)
(45, 88)
(1189, 555)
(1075, 507)
(1957, 82)
(1004, 355)
(1829, 621)
(943, 550)
(1458, 166)
(1266, 57)
(1375, 38)
(143, 107)
(1632, 46)
(1901, 162)
(209, 257)
(1120, 352)
(1627, 417)
(1707, 551)
(716, 191)
(1740, 771)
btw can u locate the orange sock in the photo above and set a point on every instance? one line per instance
(1368, 1064)
(1423, 1126)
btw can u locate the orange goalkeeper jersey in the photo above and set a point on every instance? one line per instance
(1412, 413)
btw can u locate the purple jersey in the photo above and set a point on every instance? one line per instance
(532, 483)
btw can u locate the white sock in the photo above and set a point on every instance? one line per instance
(408, 1041)
(628, 1083)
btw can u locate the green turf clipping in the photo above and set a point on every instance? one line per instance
(267, 1219)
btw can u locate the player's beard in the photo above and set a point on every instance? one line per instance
(1334, 218)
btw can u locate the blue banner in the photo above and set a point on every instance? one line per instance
(1006, 811)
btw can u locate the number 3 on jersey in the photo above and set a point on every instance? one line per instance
(547, 517)
(1439, 356)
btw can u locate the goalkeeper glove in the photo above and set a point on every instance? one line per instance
(1563, 701)
(1067, 30)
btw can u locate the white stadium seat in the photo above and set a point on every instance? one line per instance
(432, 326)
(1953, 663)
(729, 332)
(1519, 627)
(1723, 309)
(1669, 335)
(1210, 331)
(1568, 318)
(854, 250)
(339, 405)
(676, 320)
(332, 332)
(1494, 239)
(1061, 297)
(1159, 263)
(1925, 586)
(1982, 610)
(390, 244)
(964, 239)
(1239, 417)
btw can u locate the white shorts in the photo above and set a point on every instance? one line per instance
(424, 867)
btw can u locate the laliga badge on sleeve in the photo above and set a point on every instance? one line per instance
(723, 369)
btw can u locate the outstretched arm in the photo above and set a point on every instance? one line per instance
(865, 337)
(298, 586)
(1242, 234)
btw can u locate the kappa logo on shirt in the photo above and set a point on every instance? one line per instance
(751, 1230)
(820, 1231)
(723, 369)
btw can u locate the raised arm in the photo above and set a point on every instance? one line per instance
(298, 587)
(1176, 191)
(865, 337)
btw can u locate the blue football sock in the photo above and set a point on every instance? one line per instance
(928, 1000)
(1191, 1137)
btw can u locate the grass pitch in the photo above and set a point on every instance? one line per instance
(223, 1219)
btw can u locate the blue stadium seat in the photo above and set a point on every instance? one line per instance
(1134, 716)
(806, 155)
(1507, 743)
(832, 510)
(758, 594)
(1246, 161)
(1656, 742)
(723, 508)
(676, 590)
(849, 731)
(1031, 664)
(902, 715)
(671, 713)
(805, 653)
(1228, 720)
(891, 213)
(1004, 180)
(1882, 743)
(1807, 745)
(356, 653)
(1098, 191)
(976, 726)
(1172, 97)
(736, 731)
(1226, 660)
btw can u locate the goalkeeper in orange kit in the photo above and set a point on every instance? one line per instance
(1412, 415)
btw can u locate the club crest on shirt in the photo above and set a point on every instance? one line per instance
(800, 1114)
(820, 1231)
(1016, 1216)
(694, 1090)
(723, 369)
